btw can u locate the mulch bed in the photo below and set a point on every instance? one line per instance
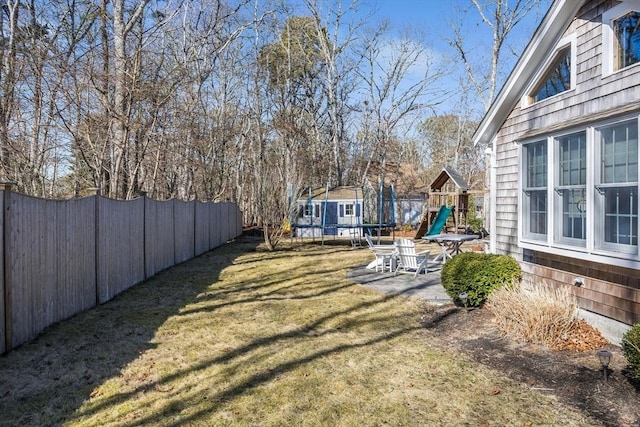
(571, 372)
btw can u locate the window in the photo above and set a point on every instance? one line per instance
(312, 209)
(556, 76)
(627, 38)
(308, 209)
(621, 36)
(579, 191)
(349, 209)
(617, 187)
(535, 190)
(557, 79)
(571, 188)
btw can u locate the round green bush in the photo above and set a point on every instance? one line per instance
(631, 350)
(477, 275)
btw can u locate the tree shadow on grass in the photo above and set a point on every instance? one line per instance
(63, 365)
(264, 377)
(46, 381)
(310, 329)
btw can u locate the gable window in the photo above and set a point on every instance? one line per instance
(621, 36)
(571, 188)
(579, 191)
(555, 76)
(627, 36)
(534, 190)
(557, 79)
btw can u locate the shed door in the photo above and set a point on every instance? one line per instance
(332, 219)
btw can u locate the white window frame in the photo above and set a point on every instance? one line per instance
(525, 216)
(311, 210)
(608, 36)
(600, 244)
(567, 41)
(594, 248)
(352, 206)
(557, 200)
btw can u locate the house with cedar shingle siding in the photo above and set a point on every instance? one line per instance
(562, 136)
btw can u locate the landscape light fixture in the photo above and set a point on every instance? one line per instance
(605, 358)
(463, 298)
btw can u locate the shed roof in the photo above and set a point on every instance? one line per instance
(344, 192)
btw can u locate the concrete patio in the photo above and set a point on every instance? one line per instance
(426, 286)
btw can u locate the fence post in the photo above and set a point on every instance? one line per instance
(6, 241)
(95, 192)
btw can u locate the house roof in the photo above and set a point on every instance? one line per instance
(446, 174)
(543, 42)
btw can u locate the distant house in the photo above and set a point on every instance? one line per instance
(563, 140)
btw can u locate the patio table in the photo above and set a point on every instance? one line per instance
(450, 244)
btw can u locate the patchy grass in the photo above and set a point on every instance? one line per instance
(241, 336)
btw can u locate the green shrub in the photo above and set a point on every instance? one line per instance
(631, 349)
(478, 275)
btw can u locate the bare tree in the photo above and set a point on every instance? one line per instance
(500, 17)
(337, 28)
(400, 83)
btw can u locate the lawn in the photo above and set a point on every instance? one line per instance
(242, 336)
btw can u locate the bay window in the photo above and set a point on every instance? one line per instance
(579, 190)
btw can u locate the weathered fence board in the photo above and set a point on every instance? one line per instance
(55, 277)
(227, 223)
(215, 225)
(202, 244)
(3, 289)
(159, 252)
(238, 221)
(120, 246)
(184, 223)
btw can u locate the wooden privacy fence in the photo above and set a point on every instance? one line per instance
(60, 257)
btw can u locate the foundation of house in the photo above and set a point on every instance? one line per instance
(611, 329)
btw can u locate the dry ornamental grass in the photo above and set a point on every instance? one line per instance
(543, 314)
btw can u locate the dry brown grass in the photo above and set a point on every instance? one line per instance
(535, 312)
(241, 336)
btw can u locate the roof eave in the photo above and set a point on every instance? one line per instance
(544, 40)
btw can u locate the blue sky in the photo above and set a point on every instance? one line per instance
(435, 17)
(429, 22)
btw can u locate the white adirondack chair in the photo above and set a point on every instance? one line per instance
(385, 256)
(410, 261)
